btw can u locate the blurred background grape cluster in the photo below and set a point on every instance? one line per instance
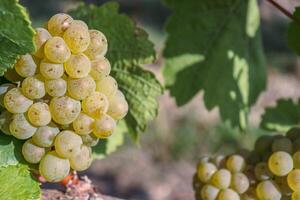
(162, 165)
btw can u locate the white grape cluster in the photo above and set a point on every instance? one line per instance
(61, 98)
(270, 172)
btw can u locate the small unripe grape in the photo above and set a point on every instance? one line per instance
(67, 144)
(56, 50)
(77, 37)
(228, 194)
(5, 119)
(280, 163)
(64, 110)
(45, 135)
(56, 87)
(118, 106)
(33, 87)
(262, 171)
(20, 127)
(80, 88)
(107, 86)
(296, 159)
(54, 168)
(221, 179)
(263, 144)
(4, 88)
(83, 124)
(39, 114)
(95, 105)
(59, 23)
(98, 45)
(16, 102)
(82, 160)
(209, 192)
(296, 195)
(240, 182)
(268, 190)
(32, 153)
(12, 75)
(236, 163)
(282, 144)
(90, 140)
(25, 66)
(51, 70)
(205, 171)
(293, 180)
(40, 38)
(78, 66)
(104, 126)
(100, 68)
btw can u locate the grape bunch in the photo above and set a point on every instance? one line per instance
(270, 172)
(61, 99)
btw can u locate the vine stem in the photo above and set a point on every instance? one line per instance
(284, 11)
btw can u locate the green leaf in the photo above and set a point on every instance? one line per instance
(281, 118)
(129, 49)
(16, 183)
(293, 33)
(16, 33)
(107, 146)
(10, 151)
(215, 46)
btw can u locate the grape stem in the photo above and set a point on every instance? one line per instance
(284, 11)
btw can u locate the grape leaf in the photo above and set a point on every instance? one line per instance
(109, 145)
(16, 33)
(282, 117)
(10, 151)
(16, 183)
(293, 33)
(215, 46)
(129, 49)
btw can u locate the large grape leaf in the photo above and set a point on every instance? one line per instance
(129, 49)
(16, 183)
(215, 46)
(294, 32)
(16, 33)
(109, 145)
(10, 151)
(282, 117)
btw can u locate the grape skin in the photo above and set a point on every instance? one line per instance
(95, 105)
(39, 114)
(209, 192)
(104, 126)
(98, 45)
(25, 66)
(64, 110)
(56, 87)
(239, 182)
(45, 135)
(82, 160)
(20, 127)
(100, 68)
(235, 163)
(90, 140)
(78, 66)
(282, 144)
(228, 194)
(51, 70)
(33, 87)
(118, 106)
(107, 86)
(16, 102)
(32, 153)
(56, 50)
(296, 195)
(4, 88)
(221, 179)
(293, 180)
(67, 144)
(83, 124)
(81, 88)
(54, 168)
(205, 171)
(268, 190)
(59, 23)
(280, 163)
(40, 38)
